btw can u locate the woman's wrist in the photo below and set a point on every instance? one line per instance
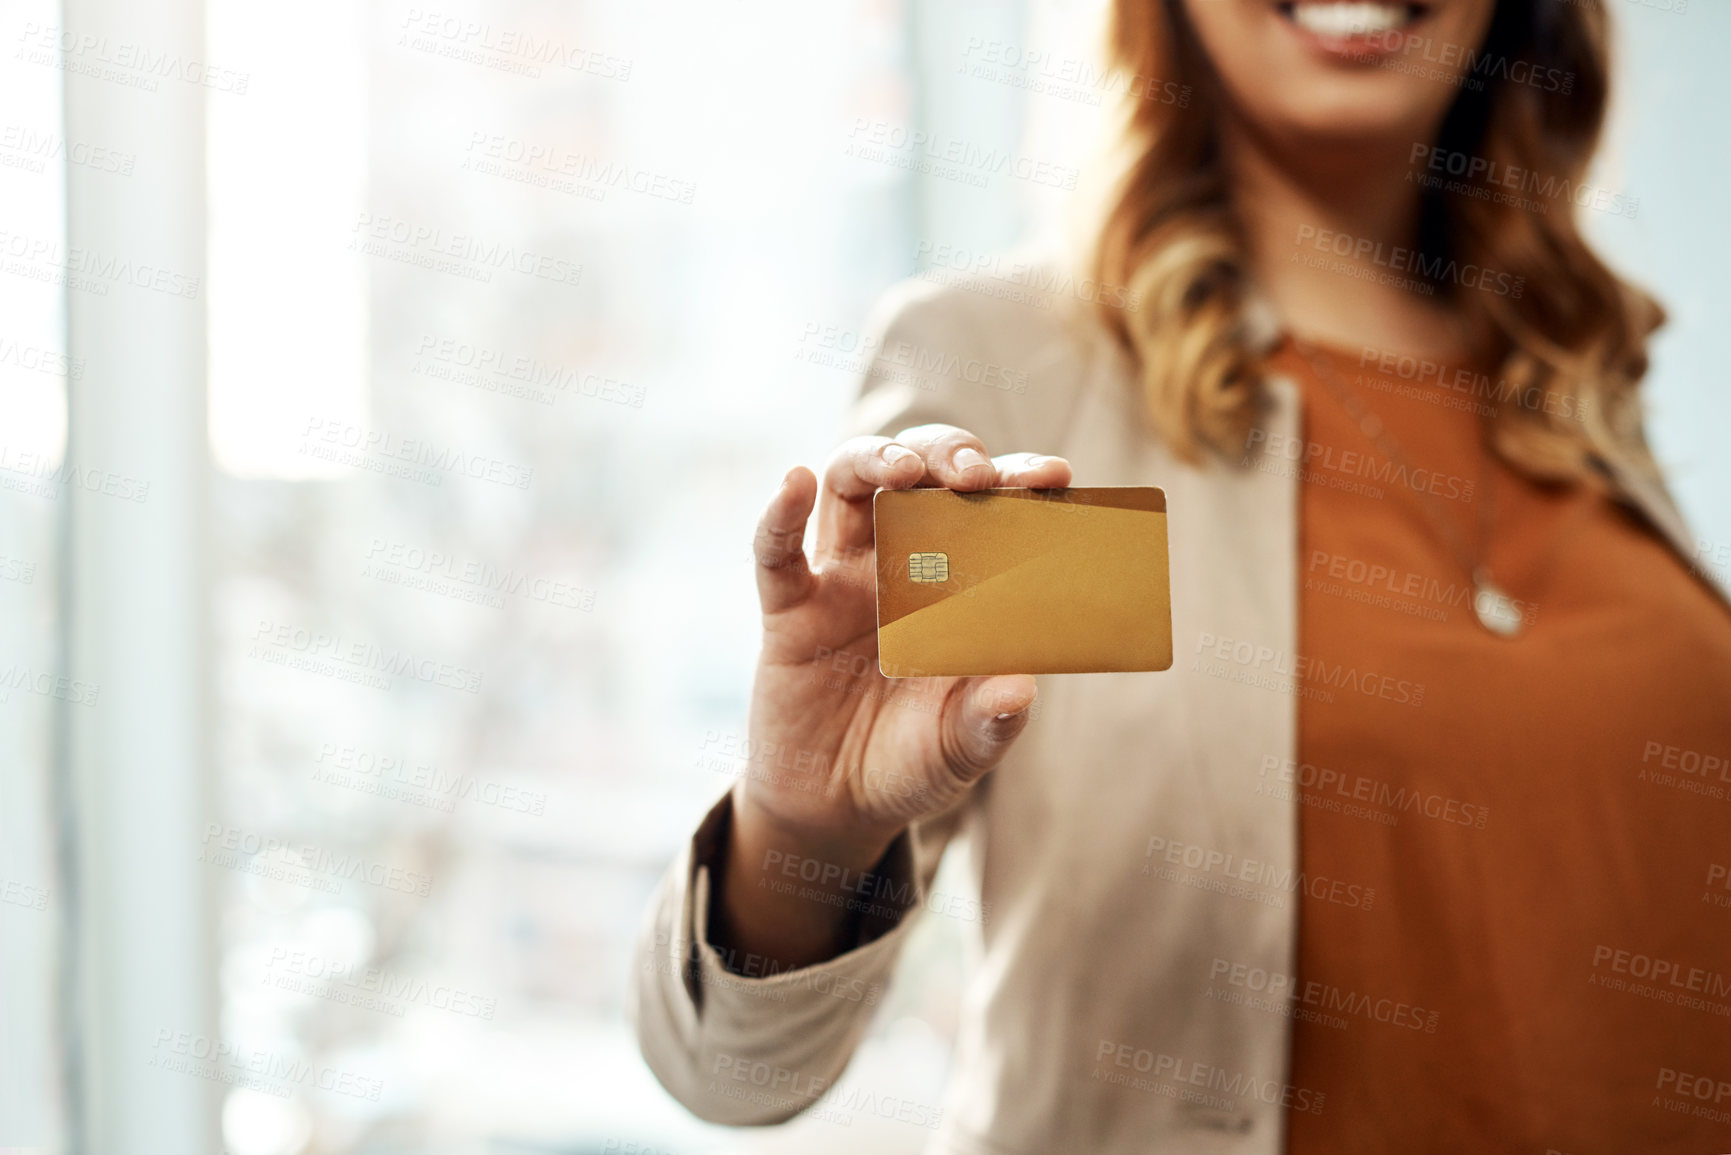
(849, 845)
(789, 894)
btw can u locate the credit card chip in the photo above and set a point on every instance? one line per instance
(928, 568)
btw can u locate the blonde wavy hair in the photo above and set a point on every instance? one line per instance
(1169, 234)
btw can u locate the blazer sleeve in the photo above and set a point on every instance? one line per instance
(738, 1045)
(732, 1043)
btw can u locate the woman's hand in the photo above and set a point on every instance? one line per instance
(841, 758)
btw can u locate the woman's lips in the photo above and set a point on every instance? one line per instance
(1353, 29)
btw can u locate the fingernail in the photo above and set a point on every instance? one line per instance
(1040, 459)
(967, 458)
(1007, 717)
(894, 454)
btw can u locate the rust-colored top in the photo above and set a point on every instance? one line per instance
(1545, 821)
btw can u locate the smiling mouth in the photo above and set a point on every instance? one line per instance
(1341, 20)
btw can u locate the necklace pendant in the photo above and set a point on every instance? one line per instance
(1496, 611)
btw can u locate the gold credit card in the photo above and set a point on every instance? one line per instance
(1022, 581)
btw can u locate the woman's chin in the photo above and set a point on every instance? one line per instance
(1343, 117)
(1349, 117)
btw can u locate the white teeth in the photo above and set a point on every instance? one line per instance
(1342, 21)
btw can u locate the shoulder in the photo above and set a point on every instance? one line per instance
(1021, 301)
(998, 344)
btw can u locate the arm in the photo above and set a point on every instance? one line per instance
(704, 1026)
(772, 936)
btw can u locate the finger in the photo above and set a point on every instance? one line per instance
(783, 577)
(1034, 470)
(981, 718)
(856, 470)
(955, 458)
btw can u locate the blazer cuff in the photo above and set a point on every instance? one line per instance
(895, 893)
(712, 1031)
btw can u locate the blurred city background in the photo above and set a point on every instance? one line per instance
(505, 318)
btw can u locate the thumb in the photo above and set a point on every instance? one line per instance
(980, 720)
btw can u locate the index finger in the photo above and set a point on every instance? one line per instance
(857, 469)
(955, 458)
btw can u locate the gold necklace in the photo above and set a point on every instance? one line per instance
(1496, 610)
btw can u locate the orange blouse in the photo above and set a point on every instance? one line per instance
(1545, 821)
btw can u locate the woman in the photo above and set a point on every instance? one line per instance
(1408, 850)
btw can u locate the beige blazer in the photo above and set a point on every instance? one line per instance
(1090, 982)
